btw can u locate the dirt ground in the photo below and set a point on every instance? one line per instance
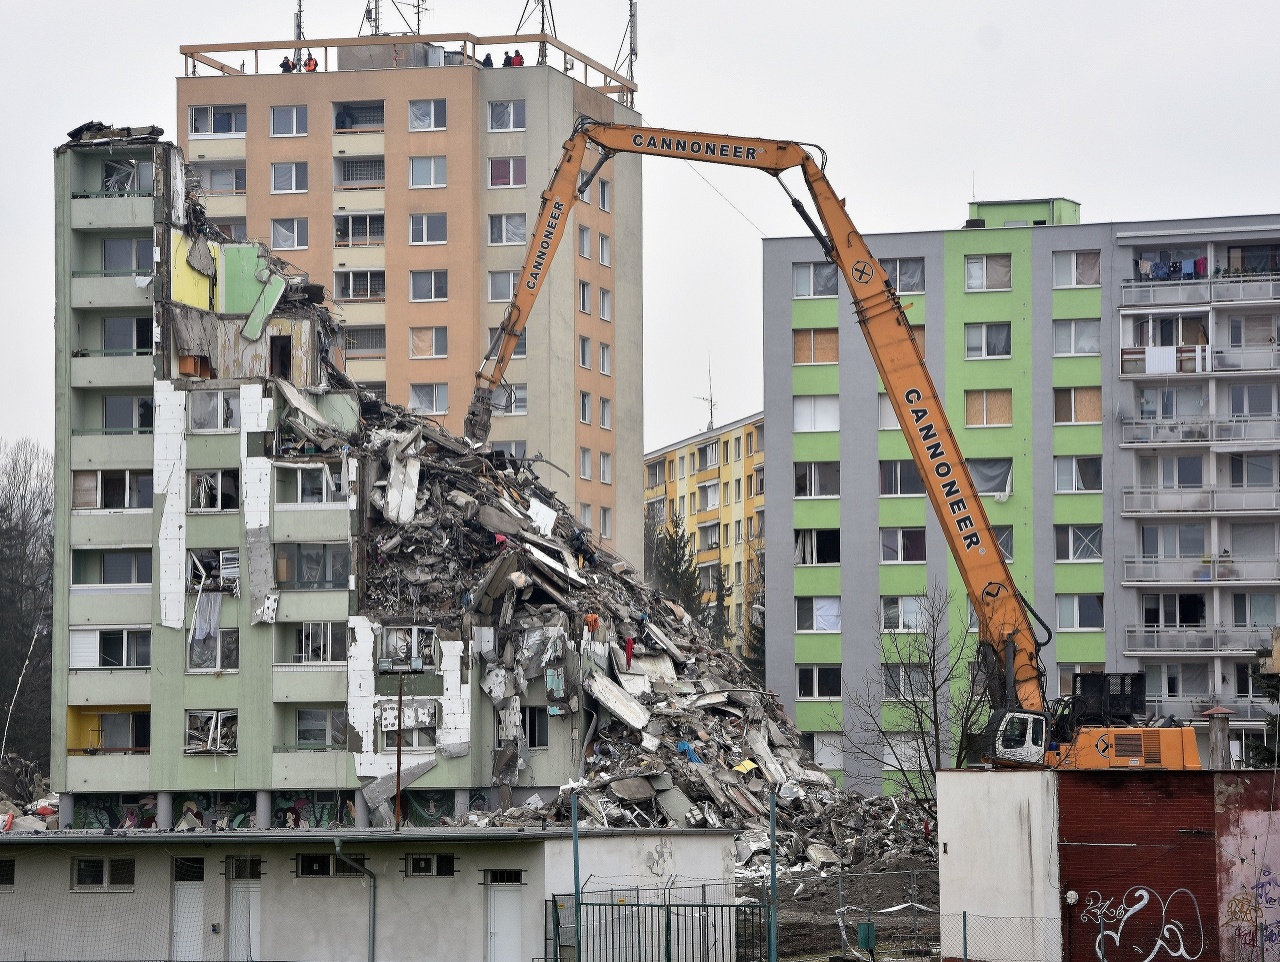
(807, 926)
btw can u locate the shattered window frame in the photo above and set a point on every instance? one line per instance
(332, 724)
(318, 643)
(507, 230)
(211, 731)
(439, 393)
(207, 566)
(360, 285)
(289, 120)
(428, 229)
(511, 449)
(329, 562)
(213, 490)
(225, 411)
(214, 654)
(211, 121)
(505, 115)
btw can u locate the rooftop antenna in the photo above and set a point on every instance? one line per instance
(710, 399)
(297, 34)
(629, 50)
(372, 17)
(417, 7)
(546, 18)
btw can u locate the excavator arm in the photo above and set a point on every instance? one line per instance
(1003, 618)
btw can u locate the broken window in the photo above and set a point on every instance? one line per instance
(289, 121)
(102, 874)
(422, 866)
(322, 729)
(289, 233)
(408, 646)
(510, 449)
(1077, 405)
(506, 229)
(429, 398)
(128, 566)
(428, 171)
(319, 641)
(816, 479)
(126, 336)
(506, 172)
(120, 733)
(506, 115)
(214, 410)
(213, 490)
(211, 732)
(815, 280)
(221, 119)
(817, 546)
(128, 177)
(91, 490)
(233, 228)
(110, 647)
(308, 484)
(818, 613)
(219, 180)
(359, 230)
(427, 115)
(127, 414)
(301, 567)
(815, 346)
(8, 872)
(212, 568)
(218, 650)
(533, 719)
(817, 681)
(358, 115)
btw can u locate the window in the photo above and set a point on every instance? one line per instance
(428, 172)
(233, 228)
(358, 115)
(818, 613)
(213, 568)
(126, 255)
(907, 681)
(991, 475)
(1075, 474)
(1174, 610)
(110, 648)
(428, 285)
(425, 866)
(217, 651)
(319, 641)
(606, 359)
(682, 464)
(987, 340)
(506, 171)
(584, 407)
(708, 455)
(584, 352)
(289, 233)
(308, 484)
(1081, 335)
(606, 522)
(359, 230)
(1250, 400)
(120, 490)
(126, 566)
(429, 398)
(362, 172)
(906, 274)
(815, 280)
(900, 477)
(1077, 542)
(223, 120)
(886, 416)
(901, 545)
(584, 515)
(289, 178)
(502, 285)
(506, 229)
(606, 414)
(360, 285)
(584, 463)
(1251, 470)
(214, 410)
(126, 336)
(606, 250)
(1077, 268)
(900, 612)
(1079, 612)
(820, 346)
(816, 479)
(990, 408)
(1172, 471)
(1176, 540)
(289, 121)
(244, 868)
(605, 196)
(584, 297)
(817, 546)
(126, 414)
(102, 874)
(506, 115)
(302, 566)
(428, 228)
(584, 242)
(606, 305)
(654, 475)
(510, 399)
(426, 115)
(606, 467)
(368, 340)
(1004, 538)
(211, 732)
(8, 872)
(328, 865)
(322, 729)
(220, 180)
(1252, 610)
(817, 681)
(510, 449)
(428, 342)
(988, 272)
(1077, 405)
(521, 345)
(213, 490)
(815, 413)
(1164, 404)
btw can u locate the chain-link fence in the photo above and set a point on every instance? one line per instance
(982, 938)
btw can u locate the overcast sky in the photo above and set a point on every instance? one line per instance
(1148, 110)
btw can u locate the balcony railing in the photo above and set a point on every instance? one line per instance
(1148, 500)
(372, 240)
(1188, 430)
(1251, 287)
(1200, 570)
(1190, 707)
(1143, 639)
(1198, 359)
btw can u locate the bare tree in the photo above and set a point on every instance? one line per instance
(752, 630)
(923, 708)
(26, 597)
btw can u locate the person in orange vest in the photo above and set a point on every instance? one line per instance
(310, 64)
(518, 59)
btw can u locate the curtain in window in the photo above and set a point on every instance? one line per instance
(1088, 268)
(421, 115)
(911, 275)
(826, 614)
(991, 475)
(999, 271)
(974, 276)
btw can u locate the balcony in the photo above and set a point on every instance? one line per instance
(98, 370)
(1149, 431)
(115, 211)
(108, 773)
(1190, 707)
(1183, 359)
(96, 289)
(1141, 640)
(309, 682)
(1146, 500)
(1192, 571)
(313, 769)
(1229, 289)
(1252, 287)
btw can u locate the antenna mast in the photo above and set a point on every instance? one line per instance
(297, 34)
(546, 19)
(710, 399)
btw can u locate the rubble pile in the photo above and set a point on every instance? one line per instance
(678, 732)
(25, 802)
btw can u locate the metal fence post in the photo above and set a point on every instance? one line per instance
(964, 934)
(667, 954)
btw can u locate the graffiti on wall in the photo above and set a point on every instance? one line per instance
(1245, 921)
(113, 811)
(221, 810)
(312, 809)
(1143, 926)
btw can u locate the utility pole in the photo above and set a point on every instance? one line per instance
(399, 744)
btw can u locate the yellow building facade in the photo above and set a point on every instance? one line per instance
(714, 483)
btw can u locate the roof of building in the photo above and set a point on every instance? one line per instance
(706, 435)
(439, 835)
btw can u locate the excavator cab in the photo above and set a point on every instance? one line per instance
(1020, 739)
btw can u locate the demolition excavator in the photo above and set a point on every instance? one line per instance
(1103, 722)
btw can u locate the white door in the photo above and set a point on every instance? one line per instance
(504, 923)
(244, 923)
(188, 922)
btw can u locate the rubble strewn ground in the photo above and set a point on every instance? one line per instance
(25, 802)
